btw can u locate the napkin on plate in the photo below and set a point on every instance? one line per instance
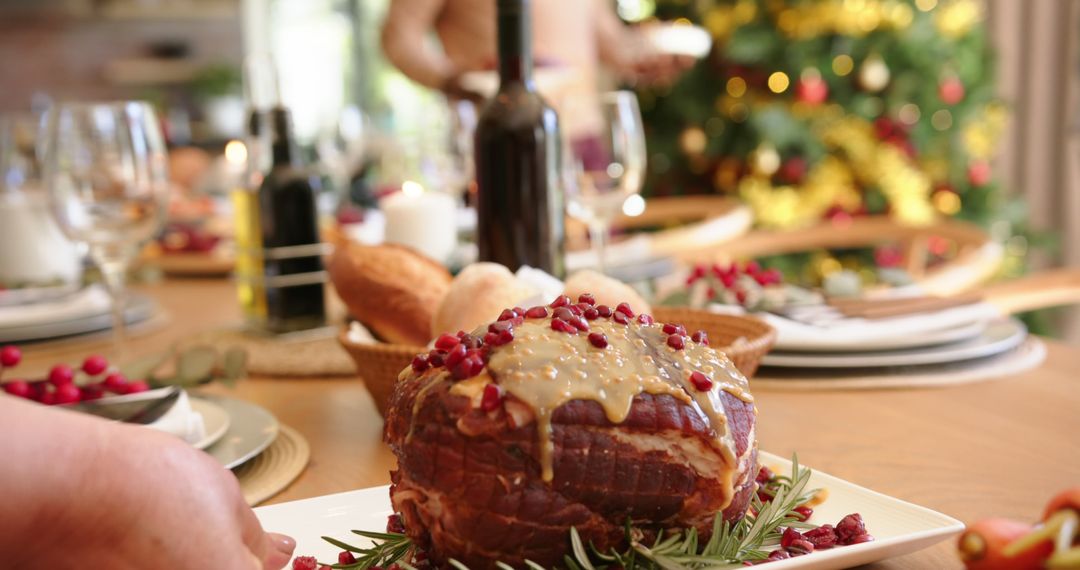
(182, 421)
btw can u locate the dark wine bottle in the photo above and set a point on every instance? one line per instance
(518, 156)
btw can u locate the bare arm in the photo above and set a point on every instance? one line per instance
(404, 35)
(615, 43)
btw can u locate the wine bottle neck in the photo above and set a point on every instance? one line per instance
(515, 42)
(282, 146)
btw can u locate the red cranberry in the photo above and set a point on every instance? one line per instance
(469, 366)
(740, 296)
(675, 341)
(803, 513)
(603, 311)
(645, 319)
(563, 326)
(620, 318)
(395, 524)
(67, 394)
(47, 397)
(446, 341)
(94, 365)
(764, 496)
(115, 382)
(346, 557)
(507, 314)
(455, 355)
(700, 337)
(503, 337)
(850, 527)
(420, 363)
(91, 392)
(560, 301)
(492, 398)
(61, 374)
(436, 358)
(18, 388)
(752, 268)
(864, 537)
(698, 379)
(536, 312)
(10, 355)
(728, 280)
(598, 339)
(790, 535)
(136, 387)
(778, 555)
(591, 314)
(305, 563)
(586, 298)
(625, 309)
(461, 334)
(801, 547)
(764, 475)
(821, 537)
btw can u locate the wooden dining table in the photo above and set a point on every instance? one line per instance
(998, 448)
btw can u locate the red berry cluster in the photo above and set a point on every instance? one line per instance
(850, 530)
(64, 385)
(727, 277)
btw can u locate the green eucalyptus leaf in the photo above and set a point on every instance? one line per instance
(197, 363)
(234, 363)
(144, 367)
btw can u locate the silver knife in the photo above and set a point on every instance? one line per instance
(138, 411)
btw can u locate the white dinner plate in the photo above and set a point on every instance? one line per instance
(931, 338)
(138, 308)
(251, 430)
(997, 338)
(215, 419)
(898, 527)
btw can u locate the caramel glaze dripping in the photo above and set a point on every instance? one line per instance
(545, 369)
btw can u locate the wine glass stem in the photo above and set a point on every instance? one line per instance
(598, 235)
(113, 268)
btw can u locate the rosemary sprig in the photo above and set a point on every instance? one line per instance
(729, 545)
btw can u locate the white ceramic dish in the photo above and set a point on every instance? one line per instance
(139, 308)
(999, 336)
(898, 527)
(932, 338)
(251, 430)
(215, 419)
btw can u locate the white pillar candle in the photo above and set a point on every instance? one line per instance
(425, 221)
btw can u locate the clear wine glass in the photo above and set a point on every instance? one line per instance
(106, 178)
(604, 163)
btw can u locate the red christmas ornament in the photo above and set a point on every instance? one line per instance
(812, 90)
(951, 91)
(978, 173)
(792, 170)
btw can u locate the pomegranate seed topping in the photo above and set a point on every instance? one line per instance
(803, 513)
(503, 337)
(645, 319)
(670, 328)
(625, 309)
(67, 394)
(61, 374)
(598, 339)
(305, 563)
(578, 309)
(461, 334)
(578, 322)
(500, 326)
(586, 298)
(740, 296)
(764, 475)
(137, 386)
(849, 528)
(492, 398)
(420, 363)
(10, 356)
(821, 537)
(91, 392)
(346, 557)
(700, 337)
(560, 301)
(563, 313)
(591, 314)
(676, 341)
(455, 355)
(620, 318)
(700, 380)
(507, 314)
(395, 524)
(436, 358)
(490, 337)
(469, 366)
(446, 341)
(728, 280)
(603, 311)
(471, 341)
(790, 535)
(563, 326)
(94, 365)
(536, 312)
(18, 388)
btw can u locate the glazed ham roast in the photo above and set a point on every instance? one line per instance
(567, 415)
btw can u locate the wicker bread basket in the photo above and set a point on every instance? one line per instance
(745, 340)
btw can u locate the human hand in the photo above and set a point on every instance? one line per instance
(123, 497)
(454, 89)
(660, 69)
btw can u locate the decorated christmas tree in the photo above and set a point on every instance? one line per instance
(827, 109)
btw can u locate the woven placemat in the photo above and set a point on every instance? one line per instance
(312, 353)
(1028, 355)
(272, 470)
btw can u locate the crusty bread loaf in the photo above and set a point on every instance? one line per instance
(476, 296)
(392, 289)
(607, 291)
